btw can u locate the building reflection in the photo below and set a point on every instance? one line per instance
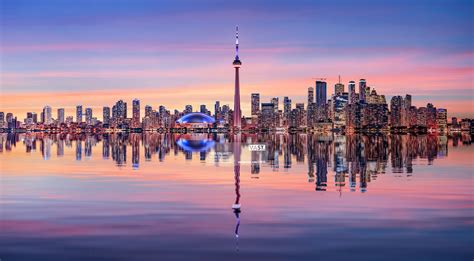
(236, 149)
(352, 161)
(78, 149)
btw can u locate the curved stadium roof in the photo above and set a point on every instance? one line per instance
(196, 117)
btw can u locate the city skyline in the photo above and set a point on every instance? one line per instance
(352, 110)
(171, 64)
(71, 109)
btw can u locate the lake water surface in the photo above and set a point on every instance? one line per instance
(208, 197)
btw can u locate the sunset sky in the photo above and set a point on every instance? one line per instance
(173, 53)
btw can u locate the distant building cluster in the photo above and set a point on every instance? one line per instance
(116, 117)
(357, 109)
(350, 111)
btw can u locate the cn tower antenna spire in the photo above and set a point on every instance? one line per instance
(237, 42)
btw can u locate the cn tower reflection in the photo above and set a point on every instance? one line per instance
(236, 205)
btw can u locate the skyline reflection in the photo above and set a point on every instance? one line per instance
(355, 160)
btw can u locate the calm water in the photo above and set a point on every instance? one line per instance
(158, 197)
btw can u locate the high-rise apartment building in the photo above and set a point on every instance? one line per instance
(352, 92)
(442, 119)
(310, 95)
(136, 113)
(106, 115)
(338, 89)
(88, 115)
(203, 109)
(362, 93)
(275, 103)
(47, 112)
(79, 113)
(61, 117)
(268, 115)
(321, 93)
(255, 104)
(188, 109)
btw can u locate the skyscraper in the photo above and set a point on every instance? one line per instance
(47, 115)
(34, 116)
(237, 63)
(188, 109)
(275, 103)
(300, 115)
(60, 115)
(255, 101)
(352, 92)
(321, 98)
(338, 89)
(148, 111)
(442, 119)
(310, 96)
(396, 111)
(106, 115)
(362, 93)
(217, 110)
(136, 113)
(79, 113)
(268, 115)
(286, 104)
(340, 103)
(203, 109)
(88, 116)
(9, 120)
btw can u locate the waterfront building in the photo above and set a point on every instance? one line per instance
(442, 119)
(431, 117)
(188, 109)
(275, 103)
(340, 102)
(396, 111)
(321, 93)
(352, 93)
(310, 95)
(106, 115)
(268, 116)
(286, 110)
(338, 88)
(79, 113)
(47, 112)
(60, 115)
(353, 116)
(89, 116)
(362, 93)
(300, 115)
(136, 113)
(255, 107)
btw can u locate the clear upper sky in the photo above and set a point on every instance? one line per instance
(173, 53)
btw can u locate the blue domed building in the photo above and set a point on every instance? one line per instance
(195, 120)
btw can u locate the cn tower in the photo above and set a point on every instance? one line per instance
(237, 63)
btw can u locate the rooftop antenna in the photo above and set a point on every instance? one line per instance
(339, 78)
